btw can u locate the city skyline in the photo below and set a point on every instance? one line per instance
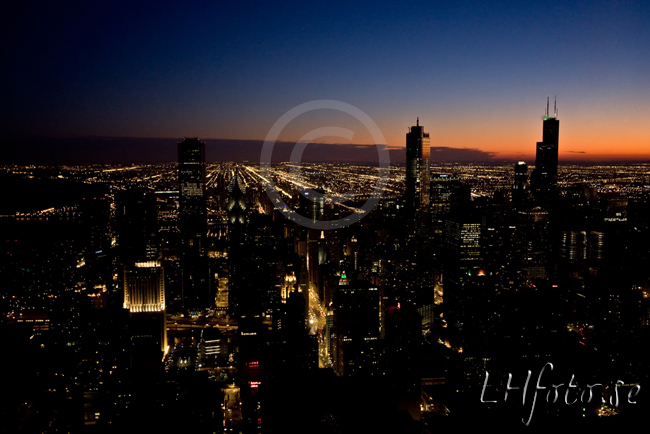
(325, 217)
(490, 278)
(225, 306)
(476, 75)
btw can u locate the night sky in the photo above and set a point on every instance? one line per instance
(477, 74)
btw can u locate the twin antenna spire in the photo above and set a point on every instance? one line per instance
(554, 107)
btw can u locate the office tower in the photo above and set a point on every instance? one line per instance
(357, 328)
(544, 178)
(312, 203)
(213, 347)
(191, 179)
(582, 247)
(236, 204)
(94, 217)
(445, 191)
(265, 254)
(196, 293)
(615, 223)
(462, 256)
(418, 149)
(520, 185)
(256, 272)
(144, 287)
(402, 354)
(222, 292)
(237, 245)
(137, 225)
(581, 232)
(464, 241)
(533, 243)
(144, 297)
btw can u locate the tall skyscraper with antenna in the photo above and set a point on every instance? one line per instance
(418, 149)
(544, 177)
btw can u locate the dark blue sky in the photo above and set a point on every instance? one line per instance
(476, 73)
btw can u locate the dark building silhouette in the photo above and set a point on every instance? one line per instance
(193, 225)
(418, 149)
(255, 266)
(462, 255)
(544, 178)
(357, 328)
(447, 194)
(237, 248)
(142, 276)
(94, 219)
(402, 348)
(191, 178)
(533, 243)
(136, 226)
(312, 203)
(520, 185)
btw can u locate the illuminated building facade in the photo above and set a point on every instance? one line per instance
(144, 297)
(212, 348)
(144, 287)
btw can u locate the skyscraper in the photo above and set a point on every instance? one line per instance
(534, 243)
(191, 179)
(144, 287)
(357, 328)
(193, 225)
(544, 178)
(238, 250)
(137, 225)
(462, 255)
(520, 186)
(445, 192)
(144, 297)
(418, 149)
